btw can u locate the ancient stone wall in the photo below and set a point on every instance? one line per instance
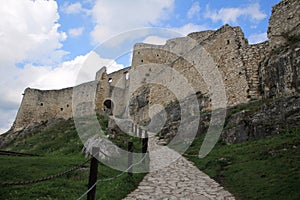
(252, 57)
(119, 90)
(200, 36)
(223, 46)
(84, 99)
(39, 105)
(102, 89)
(284, 24)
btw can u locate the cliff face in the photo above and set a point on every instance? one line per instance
(284, 24)
(280, 72)
(260, 71)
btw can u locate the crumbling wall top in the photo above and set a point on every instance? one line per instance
(284, 24)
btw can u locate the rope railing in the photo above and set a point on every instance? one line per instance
(12, 153)
(191, 155)
(112, 178)
(45, 178)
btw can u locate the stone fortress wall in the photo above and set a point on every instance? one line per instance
(39, 105)
(239, 63)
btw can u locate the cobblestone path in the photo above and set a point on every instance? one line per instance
(178, 180)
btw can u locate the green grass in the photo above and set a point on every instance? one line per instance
(264, 169)
(59, 148)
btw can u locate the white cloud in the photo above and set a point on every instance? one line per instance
(258, 38)
(114, 17)
(155, 40)
(29, 32)
(227, 15)
(189, 28)
(75, 32)
(194, 11)
(73, 8)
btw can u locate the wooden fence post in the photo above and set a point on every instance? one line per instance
(93, 174)
(135, 130)
(144, 145)
(132, 128)
(130, 157)
(140, 133)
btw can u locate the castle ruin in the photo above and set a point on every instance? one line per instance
(247, 71)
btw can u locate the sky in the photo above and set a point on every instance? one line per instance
(45, 43)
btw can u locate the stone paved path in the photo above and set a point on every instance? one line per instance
(179, 180)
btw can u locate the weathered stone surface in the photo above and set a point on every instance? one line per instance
(284, 24)
(179, 180)
(280, 72)
(267, 119)
(255, 120)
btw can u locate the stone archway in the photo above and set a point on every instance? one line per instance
(108, 106)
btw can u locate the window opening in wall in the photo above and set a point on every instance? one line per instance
(61, 109)
(228, 41)
(110, 80)
(127, 76)
(42, 104)
(67, 105)
(108, 104)
(142, 60)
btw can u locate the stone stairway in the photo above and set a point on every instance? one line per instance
(178, 180)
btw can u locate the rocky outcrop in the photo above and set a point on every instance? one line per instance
(251, 121)
(262, 119)
(32, 129)
(284, 24)
(280, 72)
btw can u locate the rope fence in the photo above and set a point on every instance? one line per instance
(45, 178)
(12, 153)
(136, 130)
(112, 178)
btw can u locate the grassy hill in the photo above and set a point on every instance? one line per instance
(263, 169)
(59, 148)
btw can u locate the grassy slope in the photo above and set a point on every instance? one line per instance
(60, 148)
(264, 169)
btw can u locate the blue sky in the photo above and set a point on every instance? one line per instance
(43, 44)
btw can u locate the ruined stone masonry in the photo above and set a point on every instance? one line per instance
(264, 70)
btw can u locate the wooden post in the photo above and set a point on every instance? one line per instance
(144, 145)
(130, 157)
(140, 133)
(132, 128)
(91, 195)
(135, 130)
